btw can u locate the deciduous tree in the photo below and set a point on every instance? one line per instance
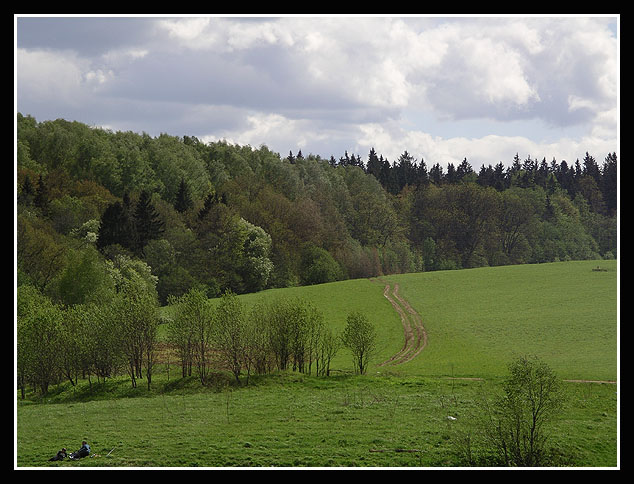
(359, 336)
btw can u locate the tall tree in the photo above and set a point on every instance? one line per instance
(231, 334)
(116, 227)
(147, 222)
(609, 183)
(42, 199)
(374, 165)
(183, 197)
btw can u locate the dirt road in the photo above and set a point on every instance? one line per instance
(414, 332)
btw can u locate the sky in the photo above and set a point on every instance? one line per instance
(442, 88)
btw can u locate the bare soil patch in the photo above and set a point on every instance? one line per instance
(415, 336)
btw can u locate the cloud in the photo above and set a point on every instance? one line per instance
(327, 84)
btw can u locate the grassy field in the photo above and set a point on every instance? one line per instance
(396, 416)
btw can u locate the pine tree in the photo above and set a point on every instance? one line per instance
(422, 176)
(27, 193)
(116, 227)
(609, 182)
(210, 201)
(374, 165)
(147, 222)
(41, 200)
(183, 198)
(436, 174)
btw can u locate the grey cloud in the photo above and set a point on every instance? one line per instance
(87, 36)
(212, 85)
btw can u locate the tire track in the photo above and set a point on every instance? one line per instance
(415, 336)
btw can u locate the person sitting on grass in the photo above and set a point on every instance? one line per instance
(84, 451)
(61, 455)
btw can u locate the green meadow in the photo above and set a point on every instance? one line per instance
(398, 415)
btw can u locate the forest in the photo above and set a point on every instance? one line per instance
(95, 207)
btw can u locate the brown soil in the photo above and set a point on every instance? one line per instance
(414, 332)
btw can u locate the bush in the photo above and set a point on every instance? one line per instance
(319, 267)
(513, 429)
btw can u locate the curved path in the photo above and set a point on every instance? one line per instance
(415, 334)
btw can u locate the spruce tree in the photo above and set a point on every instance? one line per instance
(41, 200)
(374, 165)
(27, 193)
(183, 198)
(116, 227)
(210, 201)
(147, 221)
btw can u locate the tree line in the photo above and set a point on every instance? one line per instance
(218, 217)
(275, 334)
(101, 340)
(112, 225)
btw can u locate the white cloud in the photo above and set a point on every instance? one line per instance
(45, 76)
(392, 141)
(326, 84)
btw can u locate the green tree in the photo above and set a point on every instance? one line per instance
(359, 336)
(85, 279)
(42, 197)
(220, 251)
(231, 337)
(192, 332)
(136, 313)
(318, 266)
(256, 266)
(327, 348)
(116, 227)
(40, 253)
(26, 194)
(102, 337)
(183, 197)
(515, 216)
(73, 343)
(39, 328)
(147, 221)
(532, 397)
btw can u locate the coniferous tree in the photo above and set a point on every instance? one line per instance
(183, 197)
(451, 176)
(27, 193)
(374, 165)
(116, 227)
(609, 183)
(210, 201)
(406, 169)
(500, 177)
(147, 222)
(591, 168)
(41, 200)
(486, 176)
(422, 176)
(386, 170)
(436, 174)
(464, 169)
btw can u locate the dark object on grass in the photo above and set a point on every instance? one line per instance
(61, 455)
(84, 451)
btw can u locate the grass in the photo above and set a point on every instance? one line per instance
(290, 420)
(480, 319)
(477, 321)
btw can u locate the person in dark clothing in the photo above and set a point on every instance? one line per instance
(61, 455)
(84, 451)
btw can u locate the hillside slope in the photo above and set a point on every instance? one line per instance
(477, 320)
